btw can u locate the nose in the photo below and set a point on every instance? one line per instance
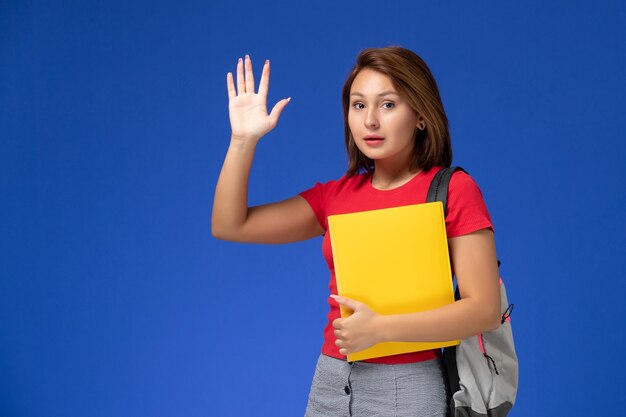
(371, 119)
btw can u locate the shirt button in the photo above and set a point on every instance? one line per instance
(347, 389)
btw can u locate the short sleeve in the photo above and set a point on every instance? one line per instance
(315, 196)
(467, 211)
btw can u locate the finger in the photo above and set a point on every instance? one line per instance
(241, 87)
(337, 323)
(264, 84)
(351, 304)
(230, 85)
(249, 75)
(277, 110)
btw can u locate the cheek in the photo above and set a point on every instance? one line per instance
(403, 126)
(351, 120)
(353, 125)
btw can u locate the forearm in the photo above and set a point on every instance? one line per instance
(230, 204)
(459, 320)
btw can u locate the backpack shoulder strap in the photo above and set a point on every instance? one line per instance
(438, 190)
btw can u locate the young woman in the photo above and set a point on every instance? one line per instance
(396, 136)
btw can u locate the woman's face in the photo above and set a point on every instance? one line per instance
(381, 121)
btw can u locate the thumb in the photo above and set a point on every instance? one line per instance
(277, 110)
(348, 302)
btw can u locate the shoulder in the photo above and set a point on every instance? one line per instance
(462, 184)
(324, 194)
(467, 210)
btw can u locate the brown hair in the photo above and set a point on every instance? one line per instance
(412, 78)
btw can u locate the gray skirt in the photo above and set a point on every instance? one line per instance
(363, 389)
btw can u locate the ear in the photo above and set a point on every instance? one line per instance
(421, 124)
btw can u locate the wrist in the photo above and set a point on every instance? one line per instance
(243, 143)
(244, 139)
(383, 328)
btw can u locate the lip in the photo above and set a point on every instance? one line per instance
(373, 140)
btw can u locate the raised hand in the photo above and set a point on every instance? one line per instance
(247, 110)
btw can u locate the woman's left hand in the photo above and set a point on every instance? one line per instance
(359, 331)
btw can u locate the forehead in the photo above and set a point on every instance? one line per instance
(370, 82)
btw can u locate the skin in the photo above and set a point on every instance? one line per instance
(376, 108)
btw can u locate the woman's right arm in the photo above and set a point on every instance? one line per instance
(281, 222)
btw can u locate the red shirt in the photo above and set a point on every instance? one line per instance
(467, 213)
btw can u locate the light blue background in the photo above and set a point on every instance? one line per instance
(116, 301)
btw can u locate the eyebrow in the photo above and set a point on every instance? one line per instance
(384, 93)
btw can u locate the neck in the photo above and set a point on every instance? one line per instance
(385, 177)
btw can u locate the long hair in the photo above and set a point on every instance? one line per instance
(412, 78)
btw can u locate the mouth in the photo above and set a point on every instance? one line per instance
(373, 139)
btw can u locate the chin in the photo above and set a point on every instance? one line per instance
(370, 153)
(374, 154)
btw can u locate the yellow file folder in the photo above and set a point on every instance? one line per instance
(396, 261)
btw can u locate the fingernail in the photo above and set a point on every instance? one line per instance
(240, 59)
(288, 100)
(247, 56)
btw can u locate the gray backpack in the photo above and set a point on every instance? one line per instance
(482, 371)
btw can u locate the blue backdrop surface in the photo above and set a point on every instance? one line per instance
(116, 301)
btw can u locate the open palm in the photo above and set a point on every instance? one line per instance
(247, 110)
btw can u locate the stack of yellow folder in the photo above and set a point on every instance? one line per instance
(396, 261)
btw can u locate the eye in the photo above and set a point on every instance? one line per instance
(389, 105)
(358, 105)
